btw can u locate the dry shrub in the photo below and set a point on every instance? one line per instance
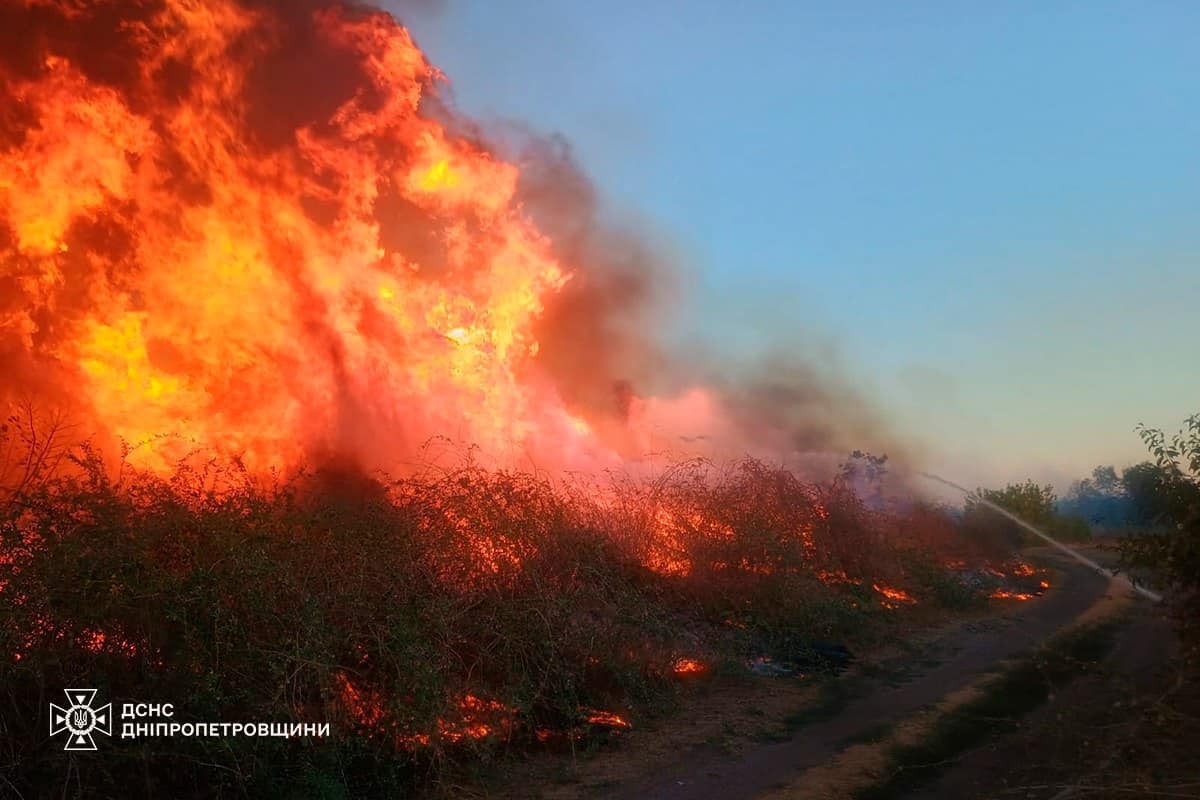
(432, 619)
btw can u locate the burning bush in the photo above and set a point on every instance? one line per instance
(429, 617)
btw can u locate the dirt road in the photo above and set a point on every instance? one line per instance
(945, 665)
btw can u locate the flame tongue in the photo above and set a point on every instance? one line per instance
(343, 274)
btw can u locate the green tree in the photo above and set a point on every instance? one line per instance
(1101, 499)
(1033, 503)
(1106, 481)
(1145, 486)
(1028, 500)
(1171, 486)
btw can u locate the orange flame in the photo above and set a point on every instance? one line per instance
(1006, 594)
(475, 718)
(203, 258)
(689, 666)
(608, 719)
(894, 596)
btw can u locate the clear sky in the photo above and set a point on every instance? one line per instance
(991, 211)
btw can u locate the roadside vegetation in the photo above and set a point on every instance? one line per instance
(1124, 725)
(436, 621)
(1150, 513)
(1170, 548)
(1036, 504)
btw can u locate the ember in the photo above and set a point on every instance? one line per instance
(689, 666)
(1005, 594)
(893, 596)
(475, 718)
(608, 719)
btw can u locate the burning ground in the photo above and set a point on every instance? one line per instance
(251, 265)
(437, 621)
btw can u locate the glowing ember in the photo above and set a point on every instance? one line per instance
(666, 555)
(689, 666)
(365, 708)
(894, 596)
(476, 718)
(480, 719)
(101, 642)
(608, 719)
(834, 577)
(1005, 594)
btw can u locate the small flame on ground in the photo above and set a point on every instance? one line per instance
(689, 666)
(607, 719)
(895, 597)
(477, 719)
(833, 577)
(1005, 594)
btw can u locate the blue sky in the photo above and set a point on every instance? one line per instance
(990, 213)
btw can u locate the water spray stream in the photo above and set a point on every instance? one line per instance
(1073, 553)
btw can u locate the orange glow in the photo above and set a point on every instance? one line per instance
(667, 555)
(689, 666)
(99, 642)
(365, 708)
(834, 577)
(898, 595)
(475, 718)
(608, 719)
(1005, 594)
(667, 552)
(480, 718)
(894, 596)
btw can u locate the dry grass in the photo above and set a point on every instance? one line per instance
(440, 619)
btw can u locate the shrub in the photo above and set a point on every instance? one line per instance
(1172, 550)
(432, 620)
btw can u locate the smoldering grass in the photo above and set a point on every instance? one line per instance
(436, 622)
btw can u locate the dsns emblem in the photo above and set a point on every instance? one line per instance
(80, 719)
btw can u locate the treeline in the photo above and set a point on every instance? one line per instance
(1134, 498)
(1036, 504)
(1154, 507)
(1147, 496)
